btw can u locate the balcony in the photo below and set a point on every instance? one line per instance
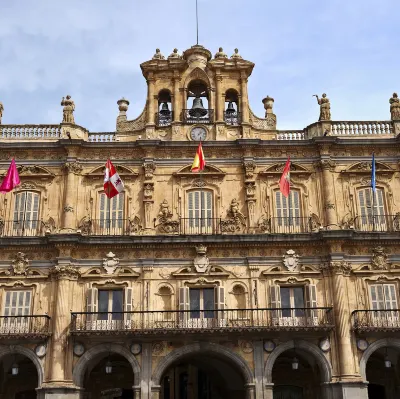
(205, 321)
(378, 223)
(33, 327)
(200, 226)
(288, 225)
(164, 119)
(376, 320)
(25, 228)
(206, 119)
(233, 118)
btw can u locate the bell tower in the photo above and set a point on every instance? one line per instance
(195, 96)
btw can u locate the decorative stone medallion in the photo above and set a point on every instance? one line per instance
(246, 346)
(269, 346)
(325, 345)
(79, 349)
(362, 344)
(40, 350)
(136, 348)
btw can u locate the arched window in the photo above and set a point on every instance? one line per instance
(165, 302)
(26, 213)
(232, 115)
(372, 217)
(111, 213)
(198, 110)
(164, 113)
(200, 212)
(288, 213)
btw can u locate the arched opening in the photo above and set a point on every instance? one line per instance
(164, 111)
(108, 373)
(231, 113)
(18, 377)
(383, 375)
(202, 376)
(296, 375)
(197, 106)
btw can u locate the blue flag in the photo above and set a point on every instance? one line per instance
(373, 178)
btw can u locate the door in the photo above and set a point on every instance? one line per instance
(292, 301)
(384, 301)
(202, 307)
(110, 305)
(200, 213)
(26, 214)
(287, 213)
(372, 220)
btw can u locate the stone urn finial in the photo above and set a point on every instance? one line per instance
(123, 105)
(268, 105)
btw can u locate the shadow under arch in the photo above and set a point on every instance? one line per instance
(381, 343)
(323, 363)
(93, 353)
(6, 350)
(203, 348)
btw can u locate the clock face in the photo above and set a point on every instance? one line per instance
(198, 134)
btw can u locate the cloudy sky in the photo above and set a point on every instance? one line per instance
(91, 49)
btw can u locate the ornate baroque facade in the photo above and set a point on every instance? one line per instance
(206, 286)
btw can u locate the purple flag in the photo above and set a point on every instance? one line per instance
(11, 180)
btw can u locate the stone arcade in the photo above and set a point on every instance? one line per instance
(192, 286)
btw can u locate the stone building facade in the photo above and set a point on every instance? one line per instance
(201, 286)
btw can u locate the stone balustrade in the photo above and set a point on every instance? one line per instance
(291, 135)
(30, 132)
(360, 128)
(101, 137)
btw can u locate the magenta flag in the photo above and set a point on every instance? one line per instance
(11, 180)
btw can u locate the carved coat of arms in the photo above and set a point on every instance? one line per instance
(20, 263)
(110, 263)
(291, 260)
(201, 261)
(379, 258)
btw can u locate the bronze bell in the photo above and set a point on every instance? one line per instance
(198, 109)
(230, 110)
(165, 110)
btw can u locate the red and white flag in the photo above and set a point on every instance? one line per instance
(113, 184)
(284, 182)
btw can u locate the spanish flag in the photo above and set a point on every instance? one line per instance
(199, 162)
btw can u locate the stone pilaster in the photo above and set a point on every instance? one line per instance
(148, 193)
(250, 186)
(151, 105)
(177, 108)
(328, 167)
(219, 97)
(245, 99)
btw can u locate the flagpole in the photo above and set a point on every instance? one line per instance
(109, 205)
(373, 189)
(201, 198)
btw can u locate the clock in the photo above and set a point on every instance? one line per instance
(198, 134)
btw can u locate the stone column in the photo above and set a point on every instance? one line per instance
(250, 184)
(73, 169)
(177, 109)
(136, 392)
(219, 98)
(269, 391)
(258, 368)
(340, 272)
(151, 108)
(328, 167)
(146, 390)
(250, 391)
(156, 392)
(244, 106)
(64, 273)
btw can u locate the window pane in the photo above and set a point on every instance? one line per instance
(285, 301)
(103, 304)
(298, 294)
(194, 294)
(117, 304)
(208, 302)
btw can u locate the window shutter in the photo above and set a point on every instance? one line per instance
(390, 296)
(91, 304)
(191, 205)
(184, 302)
(128, 297)
(220, 297)
(275, 298)
(279, 209)
(295, 205)
(311, 302)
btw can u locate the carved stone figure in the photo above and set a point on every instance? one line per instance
(158, 55)
(85, 225)
(394, 107)
(396, 222)
(201, 261)
(68, 111)
(291, 260)
(175, 54)
(220, 53)
(110, 263)
(149, 169)
(164, 222)
(236, 55)
(325, 108)
(164, 210)
(1, 111)
(379, 258)
(235, 220)
(20, 264)
(49, 226)
(264, 224)
(134, 225)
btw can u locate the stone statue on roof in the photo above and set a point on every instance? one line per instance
(220, 53)
(158, 55)
(236, 54)
(325, 108)
(1, 111)
(68, 111)
(394, 107)
(175, 54)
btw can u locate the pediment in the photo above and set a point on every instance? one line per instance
(190, 272)
(277, 169)
(122, 271)
(209, 170)
(33, 170)
(123, 171)
(366, 167)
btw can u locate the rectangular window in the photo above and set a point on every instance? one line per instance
(372, 219)
(292, 298)
(200, 212)
(26, 213)
(288, 215)
(112, 212)
(111, 303)
(17, 303)
(383, 296)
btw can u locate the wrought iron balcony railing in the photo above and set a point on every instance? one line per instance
(233, 118)
(200, 226)
(108, 227)
(33, 326)
(24, 228)
(191, 321)
(208, 118)
(288, 225)
(383, 223)
(164, 119)
(376, 320)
